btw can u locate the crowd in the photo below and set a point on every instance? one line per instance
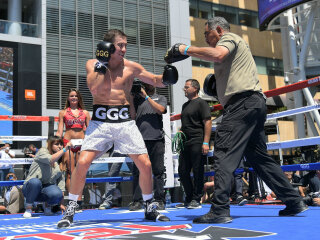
(128, 122)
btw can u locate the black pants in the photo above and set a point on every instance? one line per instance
(241, 133)
(191, 158)
(156, 150)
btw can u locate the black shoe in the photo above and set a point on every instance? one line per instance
(39, 209)
(135, 206)
(151, 213)
(67, 218)
(182, 205)
(194, 205)
(293, 209)
(55, 208)
(241, 200)
(161, 205)
(210, 217)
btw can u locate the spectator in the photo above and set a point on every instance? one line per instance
(238, 186)
(312, 180)
(111, 187)
(196, 125)
(13, 197)
(208, 189)
(5, 154)
(45, 181)
(29, 152)
(75, 119)
(33, 150)
(95, 195)
(149, 107)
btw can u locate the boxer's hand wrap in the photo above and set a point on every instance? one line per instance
(103, 55)
(173, 54)
(170, 75)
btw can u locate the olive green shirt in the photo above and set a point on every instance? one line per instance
(238, 72)
(41, 168)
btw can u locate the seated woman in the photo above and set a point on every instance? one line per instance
(45, 181)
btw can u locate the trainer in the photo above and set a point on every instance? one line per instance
(241, 132)
(109, 79)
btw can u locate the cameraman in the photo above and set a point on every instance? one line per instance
(149, 107)
(29, 152)
(32, 151)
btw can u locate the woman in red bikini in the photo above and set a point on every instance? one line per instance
(76, 120)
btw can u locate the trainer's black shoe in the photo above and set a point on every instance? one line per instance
(293, 209)
(67, 218)
(151, 213)
(210, 217)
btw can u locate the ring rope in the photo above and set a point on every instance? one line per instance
(286, 168)
(27, 118)
(271, 93)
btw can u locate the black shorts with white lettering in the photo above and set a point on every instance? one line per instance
(111, 114)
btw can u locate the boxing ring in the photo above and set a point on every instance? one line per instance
(251, 221)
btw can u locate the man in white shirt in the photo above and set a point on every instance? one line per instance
(5, 154)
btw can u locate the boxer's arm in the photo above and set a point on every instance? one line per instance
(211, 54)
(94, 79)
(147, 77)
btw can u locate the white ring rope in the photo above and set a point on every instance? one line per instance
(270, 146)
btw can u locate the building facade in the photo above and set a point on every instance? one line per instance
(53, 39)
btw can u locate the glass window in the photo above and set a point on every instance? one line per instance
(205, 10)
(159, 40)
(274, 67)
(193, 7)
(196, 62)
(146, 34)
(261, 65)
(85, 25)
(100, 26)
(229, 13)
(269, 66)
(249, 19)
(52, 23)
(131, 31)
(68, 23)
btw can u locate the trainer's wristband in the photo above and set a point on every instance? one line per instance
(64, 150)
(146, 97)
(205, 143)
(186, 49)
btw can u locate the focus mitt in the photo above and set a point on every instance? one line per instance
(173, 54)
(209, 85)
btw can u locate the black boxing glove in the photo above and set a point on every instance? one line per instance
(170, 75)
(103, 55)
(173, 54)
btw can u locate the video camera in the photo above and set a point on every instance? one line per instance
(26, 151)
(309, 198)
(136, 87)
